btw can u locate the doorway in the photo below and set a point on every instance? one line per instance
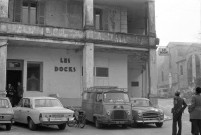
(14, 74)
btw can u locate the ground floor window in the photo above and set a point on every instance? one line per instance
(34, 76)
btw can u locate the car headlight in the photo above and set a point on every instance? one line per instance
(139, 113)
(108, 112)
(128, 112)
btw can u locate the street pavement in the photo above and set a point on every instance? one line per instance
(90, 129)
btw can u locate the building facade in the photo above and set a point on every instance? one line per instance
(63, 46)
(180, 69)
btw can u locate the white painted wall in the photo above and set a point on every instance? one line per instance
(117, 64)
(69, 84)
(135, 76)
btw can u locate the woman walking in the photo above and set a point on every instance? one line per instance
(195, 112)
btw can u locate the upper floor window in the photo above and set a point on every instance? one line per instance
(29, 11)
(98, 19)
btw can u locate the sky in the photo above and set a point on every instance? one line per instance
(178, 21)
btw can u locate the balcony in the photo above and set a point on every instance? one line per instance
(16, 30)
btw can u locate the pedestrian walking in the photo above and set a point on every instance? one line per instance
(195, 112)
(19, 92)
(177, 110)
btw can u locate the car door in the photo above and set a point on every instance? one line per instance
(17, 111)
(25, 111)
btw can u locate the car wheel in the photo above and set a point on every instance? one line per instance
(31, 124)
(97, 124)
(159, 124)
(8, 127)
(124, 126)
(134, 125)
(62, 126)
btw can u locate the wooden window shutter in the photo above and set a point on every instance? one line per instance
(41, 12)
(105, 19)
(17, 11)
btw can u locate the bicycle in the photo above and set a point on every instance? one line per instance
(78, 119)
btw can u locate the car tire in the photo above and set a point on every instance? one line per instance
(31, 124)
(97, 124)
(8, 127)
(124, 126)
(62, 126)
(159, 124)
(134, 125)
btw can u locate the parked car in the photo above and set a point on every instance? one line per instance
(36, 111)
(6, 113)
(107, 106)
(145, 113)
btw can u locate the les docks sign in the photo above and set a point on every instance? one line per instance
(163, 51)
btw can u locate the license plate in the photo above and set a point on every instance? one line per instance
(57, 119)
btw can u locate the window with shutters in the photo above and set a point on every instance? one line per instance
(29, 11)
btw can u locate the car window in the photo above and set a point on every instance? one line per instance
(27, 103)
(20, 104)
(4, 103)
(140, 103)
(99, 97)
(47, 103)
(115, 97)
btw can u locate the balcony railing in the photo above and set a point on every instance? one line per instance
(58, 33)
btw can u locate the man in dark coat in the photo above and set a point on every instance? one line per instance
(195, 112)
(177, 110)
(19, 92)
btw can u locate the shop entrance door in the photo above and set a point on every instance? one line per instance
(14, 75)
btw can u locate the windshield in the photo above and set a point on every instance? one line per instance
(140, 102)
(116, 97)
(4, 103)
(47, 103)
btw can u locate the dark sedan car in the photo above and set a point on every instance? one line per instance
(144, 113)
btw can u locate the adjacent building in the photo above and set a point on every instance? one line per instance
(63, 46)
(180, 69)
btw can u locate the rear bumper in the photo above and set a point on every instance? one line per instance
(6, 122)
(53, 122)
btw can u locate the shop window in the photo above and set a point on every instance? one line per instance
(102, 72)
(34, 76)
(29, 11)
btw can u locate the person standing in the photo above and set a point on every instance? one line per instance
(19, 91)
(195, 112)
(177, 110)
(10, 93)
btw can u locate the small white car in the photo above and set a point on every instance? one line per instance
(36, 111)
(6, 113)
